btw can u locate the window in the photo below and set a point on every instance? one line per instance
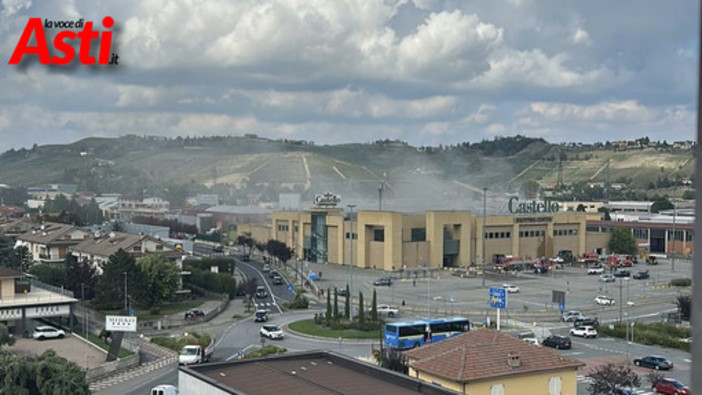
(379, 235)
(498, 389)
(641, 234)
(419, 234)
(554, 386)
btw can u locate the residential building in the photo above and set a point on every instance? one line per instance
(484, 361)
(312, 372)
(130, 206)
(23, 299)
(98, 247)
(50, 242)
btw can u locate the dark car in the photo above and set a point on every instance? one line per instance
(622, 273)
(670, 386)
(273, 273)
(654, 362)
(261, 316)
(341, 291)
(277, 280)
(587, 321)
(194, 313)
(557, 342)
(641, 275)
(540, 270)
(383, 281)
(245, 258)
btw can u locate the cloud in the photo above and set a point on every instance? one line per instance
(581, 37)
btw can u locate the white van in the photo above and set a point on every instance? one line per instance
(165, 389)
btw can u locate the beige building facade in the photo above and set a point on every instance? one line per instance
(392, 241)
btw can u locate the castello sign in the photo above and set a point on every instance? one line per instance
(532, 207)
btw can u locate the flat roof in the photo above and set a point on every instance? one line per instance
(312, 372)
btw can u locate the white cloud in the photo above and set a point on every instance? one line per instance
(623, 111)
(11, 7)
(581, 37)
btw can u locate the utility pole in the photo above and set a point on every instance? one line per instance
(482, 235)
(381, 186)
(621, 304)
(672, 252)
(126, 307)
(350, 296)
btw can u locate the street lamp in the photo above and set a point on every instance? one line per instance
(350, 296)
(483, 231)
(672, 252)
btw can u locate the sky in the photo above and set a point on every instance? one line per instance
(427, 72)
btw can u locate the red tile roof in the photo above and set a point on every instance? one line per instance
(6, 272)
(483, 353)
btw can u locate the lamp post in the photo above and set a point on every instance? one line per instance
(672, 252)
(350, 296)
(483, 233)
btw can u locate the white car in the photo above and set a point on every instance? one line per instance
(604, 300)
(47, 332)
(510, 288)
(595, 270)
(272, 332)
(384, 309)
(584, 331)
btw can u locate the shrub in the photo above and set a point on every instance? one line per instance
(681, 282)
(265, 350)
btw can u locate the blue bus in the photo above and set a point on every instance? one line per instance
(410, 334)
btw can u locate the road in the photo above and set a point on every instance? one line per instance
(442, 294)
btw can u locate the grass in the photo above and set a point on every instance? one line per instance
(308, 327)
(95, 339)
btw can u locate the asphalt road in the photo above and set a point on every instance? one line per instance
(443, 294)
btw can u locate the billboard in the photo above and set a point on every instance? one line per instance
(120, 323)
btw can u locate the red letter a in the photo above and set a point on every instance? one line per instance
(34, 25)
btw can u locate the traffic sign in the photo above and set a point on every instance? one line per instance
(290, 287)
(561, 306)
(498, 298)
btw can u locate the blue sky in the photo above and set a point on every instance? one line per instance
(427, 72)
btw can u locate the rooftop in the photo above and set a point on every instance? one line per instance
(481, 353)
(313, 372)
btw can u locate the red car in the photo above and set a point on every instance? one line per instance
(670, 386)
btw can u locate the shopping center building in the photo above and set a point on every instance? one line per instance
(392, 241)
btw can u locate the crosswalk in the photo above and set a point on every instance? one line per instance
(264, 305)
(585, 380)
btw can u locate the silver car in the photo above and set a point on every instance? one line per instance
(47, 332)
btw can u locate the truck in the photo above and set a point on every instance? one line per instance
(195, 353)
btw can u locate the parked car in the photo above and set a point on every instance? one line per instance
(654, 362)
(48, 332)
(245, 258)
(558, 342)
(570, 316)
(595, 270)
(540, 270)
(272, 332)
(584, 331)
(622, 273)
(383, 281)
(641, 275)
(510, 288)
(194, 313)
(277, 280)
(670, 386)
(607, 278)
(587, 321)
(261, 292)
(604, 300)
(261, 316)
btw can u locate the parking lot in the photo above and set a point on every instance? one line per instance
(70, 347)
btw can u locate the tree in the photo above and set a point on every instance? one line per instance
(622, 242)
(610, 377)
(5, 336)
(335, 313)
(245, 241)
(48, 273)
(661, 203)
(328, 314)
(110, 289)
(46, 374)
(606, 215)
(361, 312)
(158, 280)
(79, 277)
(374, 307)
(347, 304)
(9, 256)
(580, 208)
